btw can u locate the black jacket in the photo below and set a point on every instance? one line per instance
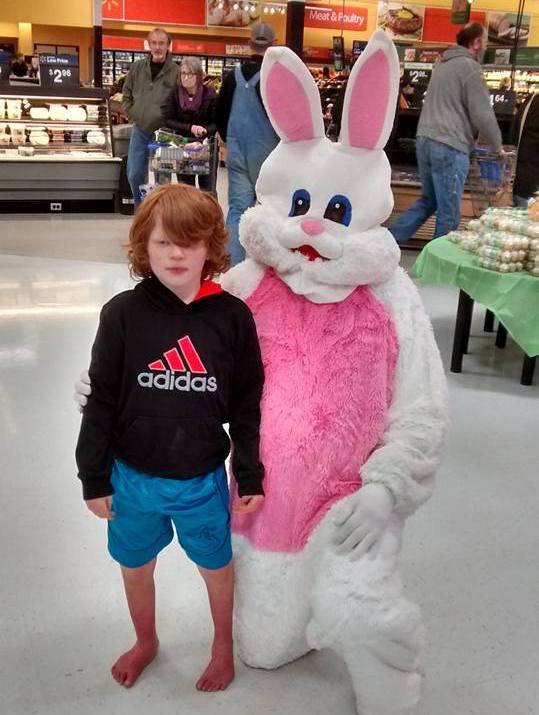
(527, 171)
(181, 121)
(224, 101)
(165, 378)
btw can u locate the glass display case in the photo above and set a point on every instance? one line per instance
(55, 148)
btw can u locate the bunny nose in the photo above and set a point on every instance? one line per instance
(311, 227)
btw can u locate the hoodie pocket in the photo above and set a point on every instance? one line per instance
(168, 445)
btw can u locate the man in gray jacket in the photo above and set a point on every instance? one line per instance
(146, 91)
(456, 107)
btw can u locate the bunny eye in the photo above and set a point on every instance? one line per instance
(301, 203)
(339, 209)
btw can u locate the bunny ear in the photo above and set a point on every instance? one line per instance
(290, 96)
(371, 95)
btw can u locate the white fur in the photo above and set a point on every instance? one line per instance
(243, 279)
(292, 62)
(412, 444)
(289, 603)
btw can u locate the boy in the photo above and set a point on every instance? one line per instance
(172, 361)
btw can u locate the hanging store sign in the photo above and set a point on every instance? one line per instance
(460, 11)
(502, 28)
(351, 18)
(229, 13)
(401, 22)
(59, 70)
(164, 12)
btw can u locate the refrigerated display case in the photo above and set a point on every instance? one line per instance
(56, 150)
(116, 64)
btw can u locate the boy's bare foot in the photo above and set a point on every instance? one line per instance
(130, 665)
(220, 671)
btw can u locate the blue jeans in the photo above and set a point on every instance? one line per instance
(443, 171)
(137, 161)
(243, 166)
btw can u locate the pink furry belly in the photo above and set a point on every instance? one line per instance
(329, 377)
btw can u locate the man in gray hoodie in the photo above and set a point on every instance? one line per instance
(456, 107)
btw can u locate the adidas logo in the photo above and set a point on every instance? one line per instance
(176, 362)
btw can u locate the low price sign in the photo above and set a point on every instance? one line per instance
(417, 72)
(59, 70)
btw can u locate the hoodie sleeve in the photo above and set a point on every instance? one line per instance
(482, 117)
(94, 447)
(245, 396)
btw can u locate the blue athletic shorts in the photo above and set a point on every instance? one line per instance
(147, 506)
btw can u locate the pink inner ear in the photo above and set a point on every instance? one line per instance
(368, 103)
(288, 104)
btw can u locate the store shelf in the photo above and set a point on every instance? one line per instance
(54, 123)
(68, 157)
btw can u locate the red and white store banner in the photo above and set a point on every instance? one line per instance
(164, 12)
(353, 17)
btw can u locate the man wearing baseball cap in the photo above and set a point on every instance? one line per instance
(243, 124)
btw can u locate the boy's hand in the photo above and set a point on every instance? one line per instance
(101, 507)
(247, 504)
(83, 389)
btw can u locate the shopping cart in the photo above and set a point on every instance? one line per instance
(172, 157)
(490, 179)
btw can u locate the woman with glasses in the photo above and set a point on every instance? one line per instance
(191, 111)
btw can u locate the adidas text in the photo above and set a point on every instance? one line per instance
(167, 381)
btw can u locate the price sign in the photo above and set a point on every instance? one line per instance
(417, 73)
(5, 68)
(59, 70)
(503, 102)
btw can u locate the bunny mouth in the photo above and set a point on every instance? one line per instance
(310, 252)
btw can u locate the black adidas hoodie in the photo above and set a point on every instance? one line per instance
(165, 377)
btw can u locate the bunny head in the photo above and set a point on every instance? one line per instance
(321, 203)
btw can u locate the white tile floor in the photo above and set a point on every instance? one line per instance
(470, 557)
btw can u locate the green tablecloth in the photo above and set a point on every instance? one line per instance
(512, 297)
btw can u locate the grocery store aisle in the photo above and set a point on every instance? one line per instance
(470, 556)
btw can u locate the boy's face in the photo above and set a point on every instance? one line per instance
(178, 268)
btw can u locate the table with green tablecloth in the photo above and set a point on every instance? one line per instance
(513, 298)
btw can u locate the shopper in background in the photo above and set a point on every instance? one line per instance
(191, 111)
(19, 68)
(146, 92)
(244, 125)
(526, 182)
(456, 107)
